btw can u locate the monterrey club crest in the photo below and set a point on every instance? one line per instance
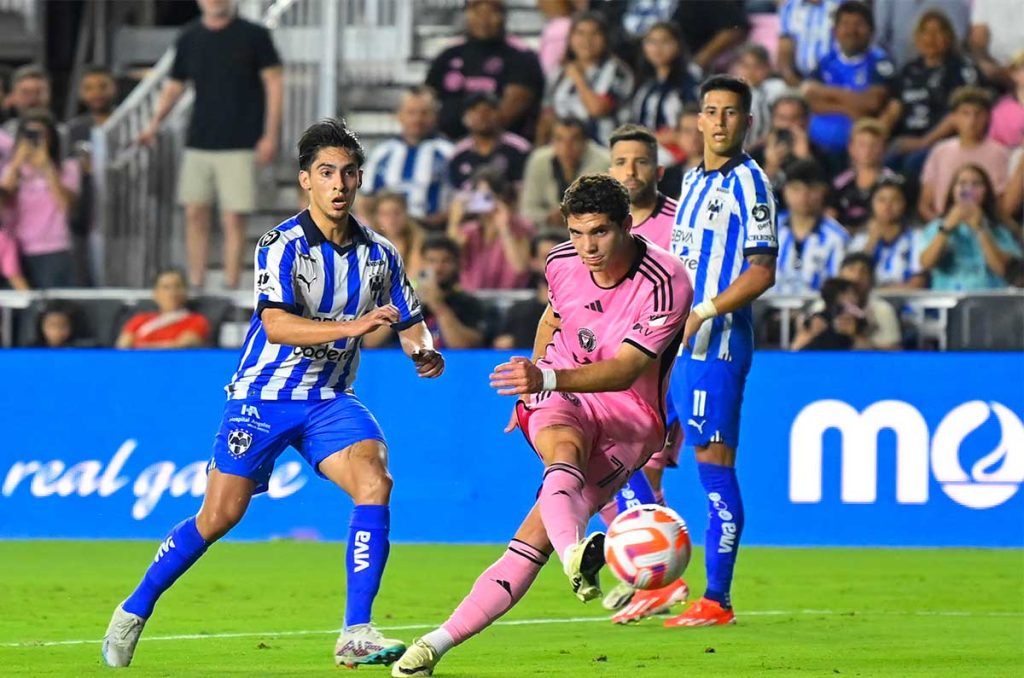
(239, 441)
(588, 340)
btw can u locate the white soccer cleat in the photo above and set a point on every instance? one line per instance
(583, 562)
(419, 660)
(618, 597)
(363, 644)
(121, 638)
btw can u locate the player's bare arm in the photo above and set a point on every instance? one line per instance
(546, 328)
(519, 376)
(419, 345)
(750, 285)
(289, 329)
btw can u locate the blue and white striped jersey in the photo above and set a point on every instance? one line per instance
(809, 25)
(803, 266)
(724, 216)
(419, 172)
(300, 271)
(895, 262)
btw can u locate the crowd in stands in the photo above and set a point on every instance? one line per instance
(892, 133)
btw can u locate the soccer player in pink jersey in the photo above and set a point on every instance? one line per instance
(591, 402)
(634, 163)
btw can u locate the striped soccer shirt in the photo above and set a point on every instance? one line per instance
(724, 216)
(300, 271)
(809, 25)
(419, 172)
(895, 262)
(805, 265)
(610, 79)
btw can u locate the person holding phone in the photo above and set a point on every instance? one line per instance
(494, 240)
(968, 248)
(39, 192)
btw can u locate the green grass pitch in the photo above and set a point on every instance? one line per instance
(267, 609)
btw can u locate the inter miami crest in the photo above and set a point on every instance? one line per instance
(238, 442)
(588, 340)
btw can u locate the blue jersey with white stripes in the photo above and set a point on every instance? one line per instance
(896, 262)
(300, 271)
(805, 264)
(809, 25)
(857, 74)
(724, 216)
(419, 172)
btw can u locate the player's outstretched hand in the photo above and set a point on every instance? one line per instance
(429, 363)
(518, 376)
(379, 317)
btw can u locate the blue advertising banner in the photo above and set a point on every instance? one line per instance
(837, 449)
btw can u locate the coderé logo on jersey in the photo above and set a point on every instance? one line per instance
(992, 480)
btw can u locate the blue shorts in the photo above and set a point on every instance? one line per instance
(254, 433)
(707, 397)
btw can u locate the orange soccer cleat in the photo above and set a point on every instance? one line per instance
(648, 603)
(705, 612)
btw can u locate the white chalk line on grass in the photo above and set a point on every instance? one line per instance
(519, 622)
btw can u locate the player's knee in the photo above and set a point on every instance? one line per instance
(375, 487)
(214, 523)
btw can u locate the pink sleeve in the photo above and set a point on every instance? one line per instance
(10, 267)
(551, 273)
(662, 315)
(71, 176)
(931, 168)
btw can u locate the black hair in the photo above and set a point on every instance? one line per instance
(729, 83)
(631, 132)
(856, 7)
(854, 258)
(45, 118)
(805, 171)
(64, 308)
(441, 242)
(329, 133)
(544, 236)
(571, 121)
(832, 288)
(596, 194)
(894, 181)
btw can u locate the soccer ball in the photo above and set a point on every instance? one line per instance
(647, 546)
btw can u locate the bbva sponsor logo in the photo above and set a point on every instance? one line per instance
(992, 480)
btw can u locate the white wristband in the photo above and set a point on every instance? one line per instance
(550, 382)
(705, 309)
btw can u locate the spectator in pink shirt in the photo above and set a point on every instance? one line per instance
(495, 241)
(554, 37)
(38, 192)
(10, 267)
(1007, 126)
(971, 110)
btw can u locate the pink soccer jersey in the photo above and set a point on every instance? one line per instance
(647, 309)
(658, 227)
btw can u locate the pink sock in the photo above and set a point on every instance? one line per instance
(659, 497)
(562, 507)
(608, 512)
(500, 587)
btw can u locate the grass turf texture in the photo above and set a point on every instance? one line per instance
(880, 612)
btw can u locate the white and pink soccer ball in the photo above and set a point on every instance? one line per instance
(647, 547)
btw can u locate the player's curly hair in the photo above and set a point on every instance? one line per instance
(329, 133)
(596, 194)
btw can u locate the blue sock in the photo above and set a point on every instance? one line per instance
(177, 553)
(635, 492)
(725, 525)
(367, 554)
